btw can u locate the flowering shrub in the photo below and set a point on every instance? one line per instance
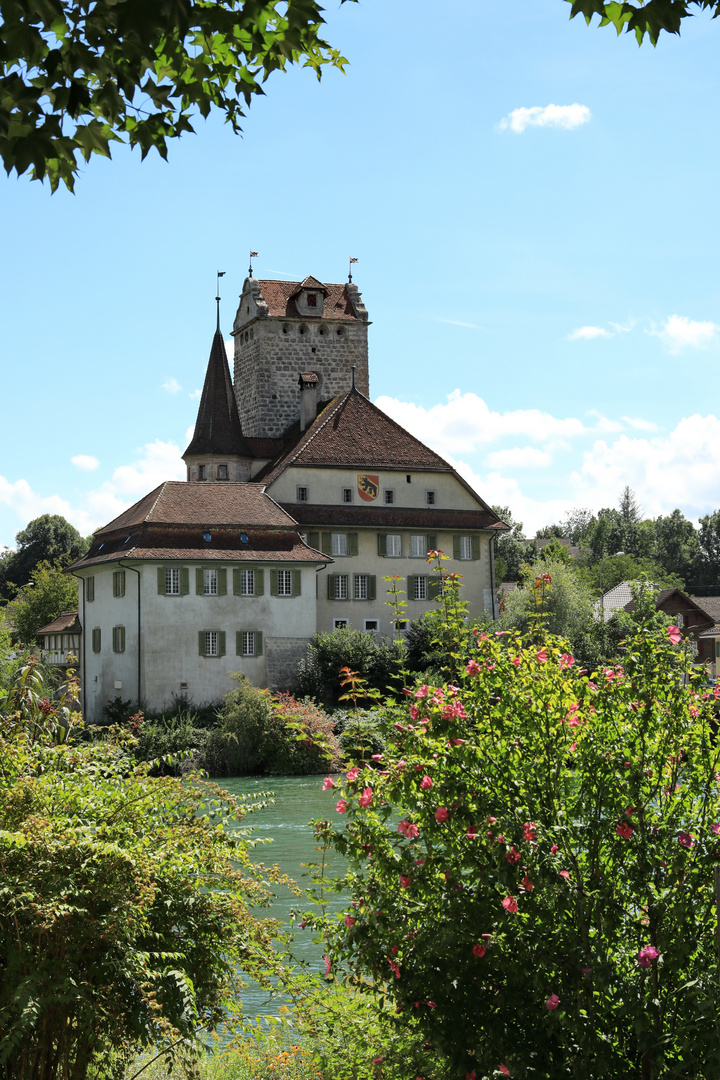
(532, 866)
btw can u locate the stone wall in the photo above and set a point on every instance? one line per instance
(283, 657)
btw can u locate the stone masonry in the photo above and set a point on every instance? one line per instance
(283, 659)
(272, 350)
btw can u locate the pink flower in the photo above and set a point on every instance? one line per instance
(328, 783)
(565, 874)
(542, 655)
(377, 1060)
(553, 849)
(624, 830)
(685, 840)
(352, 775)
(349, 921)
(673, 634)
(471, 1075)
(473, 668)
(408, 829)
(504, 1069)
(567, 660)
(341, 806)
(414, 712)
(530, 830)
(432, 1004)
(527, 884)
(646, 956)
(404, 882)
(422, 692)
(552, 1002)
(513, 856)
(479, 950)
(426, 782)
(366, 797)
(328, 964)
(715, 829)
(441, 814)
(376, 757)
(394, 968)
(471, 833)
(517, 661)
(510, 905)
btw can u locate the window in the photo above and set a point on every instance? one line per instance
(360, 587)
(172, 581)
(248, 643)
(388, 496)
(222, 472)
(401, 626)
(371, 626)
(337, 586)
(466, 547)
(210, 582)
(96, 639)
(302, 494)
(394, 545)
(347, 495)
(430, 498)
(119, 583)
(418, 547)
(340, 624)
(202, 472)
(247, 582)
(285, 583)
(90, 588)
(339, 544)
(118, 639)
(312, 299)
(679, 621)
(211, 642)
(420, 587)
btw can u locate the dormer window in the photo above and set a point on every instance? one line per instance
(312, 299)
(202, 472)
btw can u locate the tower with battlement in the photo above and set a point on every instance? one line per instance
(285, 329)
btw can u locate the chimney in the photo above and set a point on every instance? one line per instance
(308, 383)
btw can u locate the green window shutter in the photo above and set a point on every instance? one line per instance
(434, 587)
(297, 582)
(222, 581)
(313, 539)
(372, 587)
(382, 544)
(476, 547)
(237, 583)
(115, 583)
(331, 586)
(201, 642)
(238, 642)
(161, 580)
(411, 586)
(273, 582)
(96, 639)
(456, 547)
(122, 639)
(221, 643)
(431, 542)
(260, 582)
(258, 642)
(326, 544)
(90, 588)
(115, 639)
(352, 543)
(199, 581)
(184, 580)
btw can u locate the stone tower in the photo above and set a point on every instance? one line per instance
(285, 329)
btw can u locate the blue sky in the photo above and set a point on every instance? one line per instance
(542, 282)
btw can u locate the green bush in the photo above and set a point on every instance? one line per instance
(378, 661)
(359, 733)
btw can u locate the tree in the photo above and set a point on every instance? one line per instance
(510, 551)
(629, 507)
(678, 548)
(52, 592)
(650, 17)
(124, 909)
(77, 75)
(47, 538)
(532, 870)
(709, 540)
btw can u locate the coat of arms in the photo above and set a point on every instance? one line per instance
(368, 487)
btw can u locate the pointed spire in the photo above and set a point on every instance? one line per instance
(218, 430)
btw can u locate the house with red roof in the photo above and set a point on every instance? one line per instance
(301, 497)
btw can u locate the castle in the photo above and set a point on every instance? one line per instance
(301, 496)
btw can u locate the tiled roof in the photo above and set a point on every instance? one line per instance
(352, 432)
(180, 546)
(617, 598)
(388, 517)
(66, 622)
(310, 282)
(280, 299)
(217, 429)
(710, 605)
(208, 504)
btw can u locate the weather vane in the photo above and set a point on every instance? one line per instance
(253, 255)
(350, 271)
(220, 273)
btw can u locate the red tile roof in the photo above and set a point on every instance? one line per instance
(67, 622)
(434, 519)
(279, 297)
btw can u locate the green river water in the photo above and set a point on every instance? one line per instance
(285, 822)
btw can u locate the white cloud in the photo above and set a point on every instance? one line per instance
(465, 423)
(172, 385)
(230, 351)
(456, 322)
(519, 457)
(86, 462)
(195, 395)
(638, 424)
(587, 333)
(562, 116)
(678, 332)
(604, 423)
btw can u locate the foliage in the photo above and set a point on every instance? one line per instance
(46, 539)
(51, 593)
(649, 17)
(320, 676)
(359, 733)
(77, 76)
(626, 568)
(532, 873)
(124, 906)
(510, 552)
(175, 738)
(568, 603)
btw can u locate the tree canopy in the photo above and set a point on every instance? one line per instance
(45, 539)
(650, 17)
(77, 75)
